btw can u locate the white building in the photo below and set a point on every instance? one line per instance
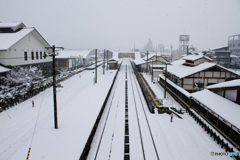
(23, 46)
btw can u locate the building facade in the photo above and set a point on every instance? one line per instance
(234, 44)
(22, 46)
(194, 73)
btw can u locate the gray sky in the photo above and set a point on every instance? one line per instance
(109, 24)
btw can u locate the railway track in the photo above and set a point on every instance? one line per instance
(148, 146)
(124, 131)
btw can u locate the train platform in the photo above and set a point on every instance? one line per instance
(222, 106)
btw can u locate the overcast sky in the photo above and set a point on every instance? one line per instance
(112, 24)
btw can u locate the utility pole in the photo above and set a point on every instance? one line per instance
(104, 62)
(95, 65)
(165, 81)
(187, 50)
(152, 69)
(107, 60)
(54, 85)
(147, 63)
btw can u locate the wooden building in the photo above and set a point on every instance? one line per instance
(142, 65)
(194, 73)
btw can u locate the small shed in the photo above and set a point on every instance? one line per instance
(113, 64)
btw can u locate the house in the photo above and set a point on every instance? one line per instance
(234, 44)
(141, 63)
(220, 55)
(196, 72)
(229, 90)
(23, 46)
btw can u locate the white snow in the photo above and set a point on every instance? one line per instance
(195, 57)
(4, 69)
(73, 53)
(78, 102)
(182, 71)
(222, 106)
(9, 24)
(186, 93)
(232, 83)
(9, 39)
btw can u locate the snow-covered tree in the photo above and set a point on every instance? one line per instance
(19, 79)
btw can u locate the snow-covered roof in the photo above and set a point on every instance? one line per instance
(10, 24)
(73, 53)
(232, 83)
(9, 39)
(195, 57)
(186, 93)
(4, 69)
(178, 69)
(233, 56)
(139, 61)
(217, 48)
(182, 71)
(222, 106)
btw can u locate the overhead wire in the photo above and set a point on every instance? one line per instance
(35, 127)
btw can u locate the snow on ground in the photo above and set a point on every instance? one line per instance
(183, 138)
(79, 103)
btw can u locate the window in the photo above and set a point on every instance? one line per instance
(25, 56)
(32, 55)
(36, 55)
(40, 55)
(45, 55)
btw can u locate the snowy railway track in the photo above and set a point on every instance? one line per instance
(124, 131)
(148, 147)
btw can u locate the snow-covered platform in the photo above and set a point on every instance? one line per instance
(222, 106)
